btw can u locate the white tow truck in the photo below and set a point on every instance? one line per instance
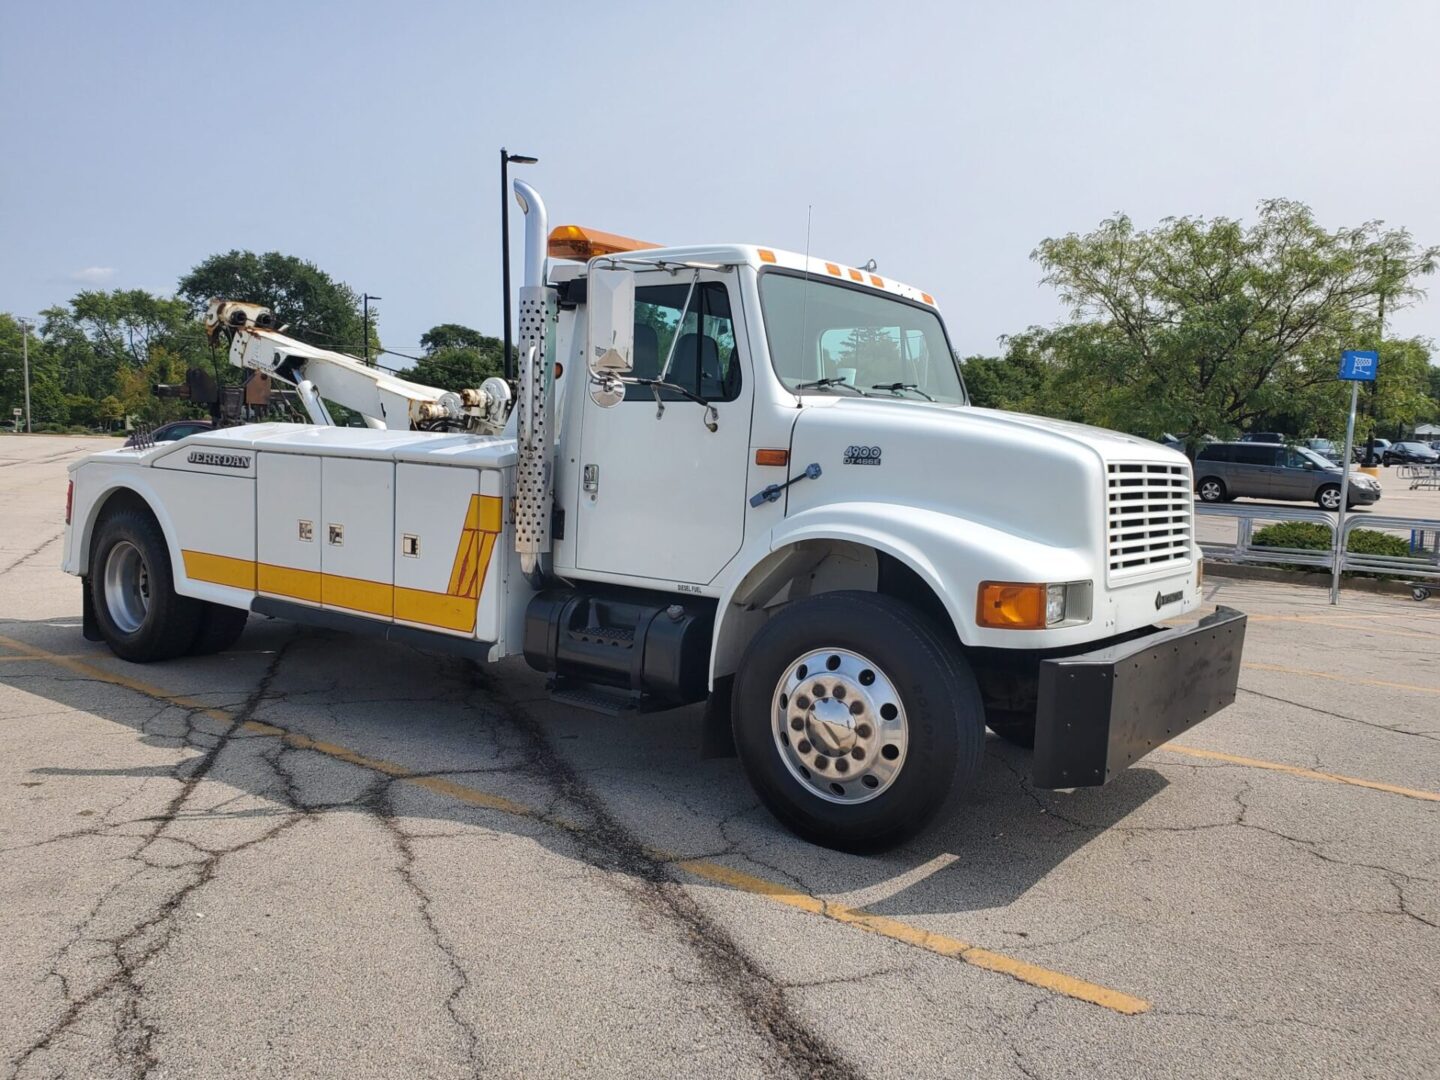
(727, 473)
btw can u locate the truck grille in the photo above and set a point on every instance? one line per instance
(1148, 512)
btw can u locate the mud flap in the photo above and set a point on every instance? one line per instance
(89, 627)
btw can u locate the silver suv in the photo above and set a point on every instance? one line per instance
(1224, 471)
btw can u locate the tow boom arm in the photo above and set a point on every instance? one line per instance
(318, 375)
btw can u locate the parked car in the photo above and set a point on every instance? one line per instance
(1409, 453)
(1362, 450)
(1224, 471)
(175, 429)
(1263, 437)
(1326, 449)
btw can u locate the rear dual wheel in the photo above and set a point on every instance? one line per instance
(855, 720)
(140, 615)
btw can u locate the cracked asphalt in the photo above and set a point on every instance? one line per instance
(323, 856)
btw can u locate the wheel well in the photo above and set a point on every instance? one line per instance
(809, 568)
(113, 501)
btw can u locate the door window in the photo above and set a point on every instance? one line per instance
(706, 360)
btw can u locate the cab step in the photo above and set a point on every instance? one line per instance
(599, 699)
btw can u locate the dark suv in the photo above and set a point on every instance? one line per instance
(1224, 471)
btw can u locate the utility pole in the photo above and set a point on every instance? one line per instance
(25, 353)
(1379, 340)
(365, 301)
(505, 159)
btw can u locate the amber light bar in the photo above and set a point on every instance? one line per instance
(575, 242)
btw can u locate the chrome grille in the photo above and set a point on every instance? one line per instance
(1148, 516)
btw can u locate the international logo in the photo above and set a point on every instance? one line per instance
(1163, 598)
(224, 461)
(862, 455)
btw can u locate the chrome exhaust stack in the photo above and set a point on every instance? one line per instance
(535, 465)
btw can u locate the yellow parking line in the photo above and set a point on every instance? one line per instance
(1330, 675)
(1308, 774)
(941, 945)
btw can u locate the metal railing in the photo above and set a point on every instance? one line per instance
(1422, 564)
(1421, 477)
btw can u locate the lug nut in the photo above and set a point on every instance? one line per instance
(803, 746)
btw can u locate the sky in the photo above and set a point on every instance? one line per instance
(942, 140)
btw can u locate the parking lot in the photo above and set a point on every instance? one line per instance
(329, 856)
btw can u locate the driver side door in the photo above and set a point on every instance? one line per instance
(661, 496)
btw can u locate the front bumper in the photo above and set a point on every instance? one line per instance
(1100, 712)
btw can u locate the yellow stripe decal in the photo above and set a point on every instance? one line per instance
(454, 609)
(220, 569)
(287, 581)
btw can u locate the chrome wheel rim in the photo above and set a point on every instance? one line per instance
(839, 726)
(1210, 492)
(127, 587)
(1330, 500)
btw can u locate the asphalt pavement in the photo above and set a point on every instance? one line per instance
(327, 856)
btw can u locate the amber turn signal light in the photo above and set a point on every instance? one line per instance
(772, 457)
(1009, 605)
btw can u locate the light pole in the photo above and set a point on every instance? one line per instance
(505, 159)
(365, 300)
(25, 354)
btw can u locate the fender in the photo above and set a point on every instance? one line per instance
(114, 478)
(952, 555)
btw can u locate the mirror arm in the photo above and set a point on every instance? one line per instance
(679, 325)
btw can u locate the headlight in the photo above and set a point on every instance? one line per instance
(1054, 604)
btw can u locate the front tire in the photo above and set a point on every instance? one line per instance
(855, 720)
(140, 615)
(1328, 497)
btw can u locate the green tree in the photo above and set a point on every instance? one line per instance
(118, 344)
(456, 357)
(313, 305)
(1206, 325)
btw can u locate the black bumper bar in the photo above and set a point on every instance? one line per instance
(1102, 711)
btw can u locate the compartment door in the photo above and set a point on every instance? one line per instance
(288, 530)
(357, 509)
(445, 535)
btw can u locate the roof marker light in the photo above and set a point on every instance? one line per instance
(766, 255)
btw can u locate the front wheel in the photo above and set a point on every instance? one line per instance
(1329, 497)
(855, 720)
(1211, 490)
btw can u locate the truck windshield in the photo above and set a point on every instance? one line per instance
(823, 335)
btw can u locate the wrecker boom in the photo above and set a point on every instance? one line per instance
(320, 375)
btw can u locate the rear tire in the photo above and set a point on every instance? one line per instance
(220, 628)
(855, 720)
(1211, 489)
(140, 615)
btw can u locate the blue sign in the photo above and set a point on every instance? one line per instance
(1359, 365)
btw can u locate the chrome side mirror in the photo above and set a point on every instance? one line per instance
(610, 320)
